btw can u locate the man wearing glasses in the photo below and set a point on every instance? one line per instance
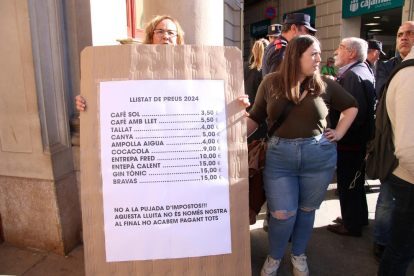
(329, 69)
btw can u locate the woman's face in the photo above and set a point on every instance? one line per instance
(165, 33)
(309, 61)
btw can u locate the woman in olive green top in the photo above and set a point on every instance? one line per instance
(301, 155)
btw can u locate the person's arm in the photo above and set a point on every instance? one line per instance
(324, 71)
(251, 126)
(345, 121)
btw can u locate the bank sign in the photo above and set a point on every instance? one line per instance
(357, 7)
(259, 28)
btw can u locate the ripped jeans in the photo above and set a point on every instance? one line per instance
(296, 177)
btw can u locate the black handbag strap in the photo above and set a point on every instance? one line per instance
(288, 109)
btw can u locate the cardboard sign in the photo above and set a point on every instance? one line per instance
(196, 222)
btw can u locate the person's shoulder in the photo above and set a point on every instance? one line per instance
(361, 72)
(352, 72)
(246, 67)
(390, 64)
(359, 68)
(406, 72)
(332, 85)
(271, 44)
(269, 78)
(396, 59)
(268, 81)
(280, 43)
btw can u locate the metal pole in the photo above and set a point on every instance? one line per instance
(410, 14)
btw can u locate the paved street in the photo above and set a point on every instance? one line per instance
(328, 254)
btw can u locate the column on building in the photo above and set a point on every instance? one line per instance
(201, 20)
(39, 202)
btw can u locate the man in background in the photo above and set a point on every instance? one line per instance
(404, 44)
(273, 31)
(329, 69)
(294, 25)
(374, 51)
(399, 251)
(386, 203)
(358, 80)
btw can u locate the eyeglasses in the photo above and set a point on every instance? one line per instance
(410, 32)
(161, 32)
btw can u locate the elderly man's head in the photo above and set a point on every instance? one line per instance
(330, 61)
(351, 49)
(405, 38)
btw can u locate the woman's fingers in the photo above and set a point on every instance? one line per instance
(80, 103)
(331, 134)
(245, 100)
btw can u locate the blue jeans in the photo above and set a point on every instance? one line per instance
(296, 178)
(400, 247)
(383, 214)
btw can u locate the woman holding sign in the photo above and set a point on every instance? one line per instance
(301, 154)
(162, 29)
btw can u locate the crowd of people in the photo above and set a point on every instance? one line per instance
(328, 128)
(294, 188)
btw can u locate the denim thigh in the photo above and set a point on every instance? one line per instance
(297, 172)
(400, 247)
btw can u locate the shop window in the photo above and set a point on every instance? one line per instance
(135, 24)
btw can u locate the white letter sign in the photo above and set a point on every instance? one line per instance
(164, 169)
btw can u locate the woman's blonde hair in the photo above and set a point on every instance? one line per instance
(257, 53)
(286, 83)
(149, 30)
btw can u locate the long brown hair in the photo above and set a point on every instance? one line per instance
(286, 84)
(149, 30)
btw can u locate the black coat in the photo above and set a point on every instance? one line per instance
(265, 70)
(252, 80)
(383, 72)
(275, 55)
(359, 82)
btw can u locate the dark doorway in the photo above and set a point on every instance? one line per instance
(382, 26)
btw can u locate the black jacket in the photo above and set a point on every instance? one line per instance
(265, 70)
(275, 55)
(252, 80)
(383, 72)
(359, 82)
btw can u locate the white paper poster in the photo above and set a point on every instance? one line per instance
(164, 169)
